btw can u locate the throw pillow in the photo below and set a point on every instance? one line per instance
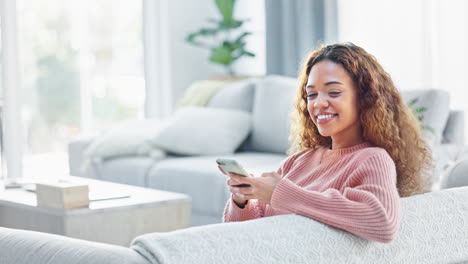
(238, 96)
(204, 131)
(128, 138)
(200, 92)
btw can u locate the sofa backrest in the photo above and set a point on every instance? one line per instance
(436, 115)
(454, 131)
(433, 229)
(270, 100)
(237, 96)
(271, 114)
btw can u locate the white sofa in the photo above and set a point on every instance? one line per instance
(269, 101)
(434, 229)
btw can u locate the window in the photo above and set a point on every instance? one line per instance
(82, 71)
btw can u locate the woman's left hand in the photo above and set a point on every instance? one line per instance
(261, 188)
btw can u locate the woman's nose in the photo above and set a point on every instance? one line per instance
(320, 101)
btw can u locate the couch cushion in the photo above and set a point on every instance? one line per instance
(238, 96)
(273, 103)
(126, 138)
(199, 93)
(204, 131)
(200, 178)
(436, 115)
(126, 170)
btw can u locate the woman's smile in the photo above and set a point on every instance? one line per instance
(324, 118)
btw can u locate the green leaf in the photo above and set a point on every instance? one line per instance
(192, 37)
(226, 8)
(208, 31)
(420, 109)
(221, 55)
(242, 36)
(231, 25)
(231, 45)
(417, 114)
(428, 128)
(412, 102)
(250, 54)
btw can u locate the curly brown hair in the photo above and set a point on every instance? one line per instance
(386, 121)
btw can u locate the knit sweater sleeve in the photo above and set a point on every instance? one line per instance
(253, 209)
(369, 208)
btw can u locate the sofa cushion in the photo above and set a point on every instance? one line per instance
(437, 113)
(200, 178)
(238, 96)
(125, 139)
(126, 170)
(204, 131)
(273, 103)
(200, 92)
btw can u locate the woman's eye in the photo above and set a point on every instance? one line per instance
(311, 95)
(335, 94)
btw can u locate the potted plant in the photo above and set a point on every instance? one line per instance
(224, 38)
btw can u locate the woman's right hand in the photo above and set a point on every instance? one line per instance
(233, 183)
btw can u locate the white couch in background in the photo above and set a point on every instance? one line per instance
(268, 101)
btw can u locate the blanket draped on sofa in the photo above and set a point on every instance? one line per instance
(434, 229)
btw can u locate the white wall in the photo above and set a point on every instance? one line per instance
(420, 43)
(452, 66)
(256, 43)
(391, 31)
(189, 63)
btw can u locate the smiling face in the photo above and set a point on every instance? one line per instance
(333, 104)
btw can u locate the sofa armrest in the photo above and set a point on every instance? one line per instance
(25, 247)
(457, 175)
(454, 130)
(76, 150)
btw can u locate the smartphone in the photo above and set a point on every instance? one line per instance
(230, 165)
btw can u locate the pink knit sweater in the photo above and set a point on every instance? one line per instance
(353, 189)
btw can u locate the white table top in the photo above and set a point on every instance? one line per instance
(139, 197)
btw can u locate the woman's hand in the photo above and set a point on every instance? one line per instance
(240, 201)
(261, 188)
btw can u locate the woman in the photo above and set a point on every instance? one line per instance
(357, 147)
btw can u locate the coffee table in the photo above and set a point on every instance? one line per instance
(113, 221)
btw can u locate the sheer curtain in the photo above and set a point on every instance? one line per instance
(12, 139)
(294, 28)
